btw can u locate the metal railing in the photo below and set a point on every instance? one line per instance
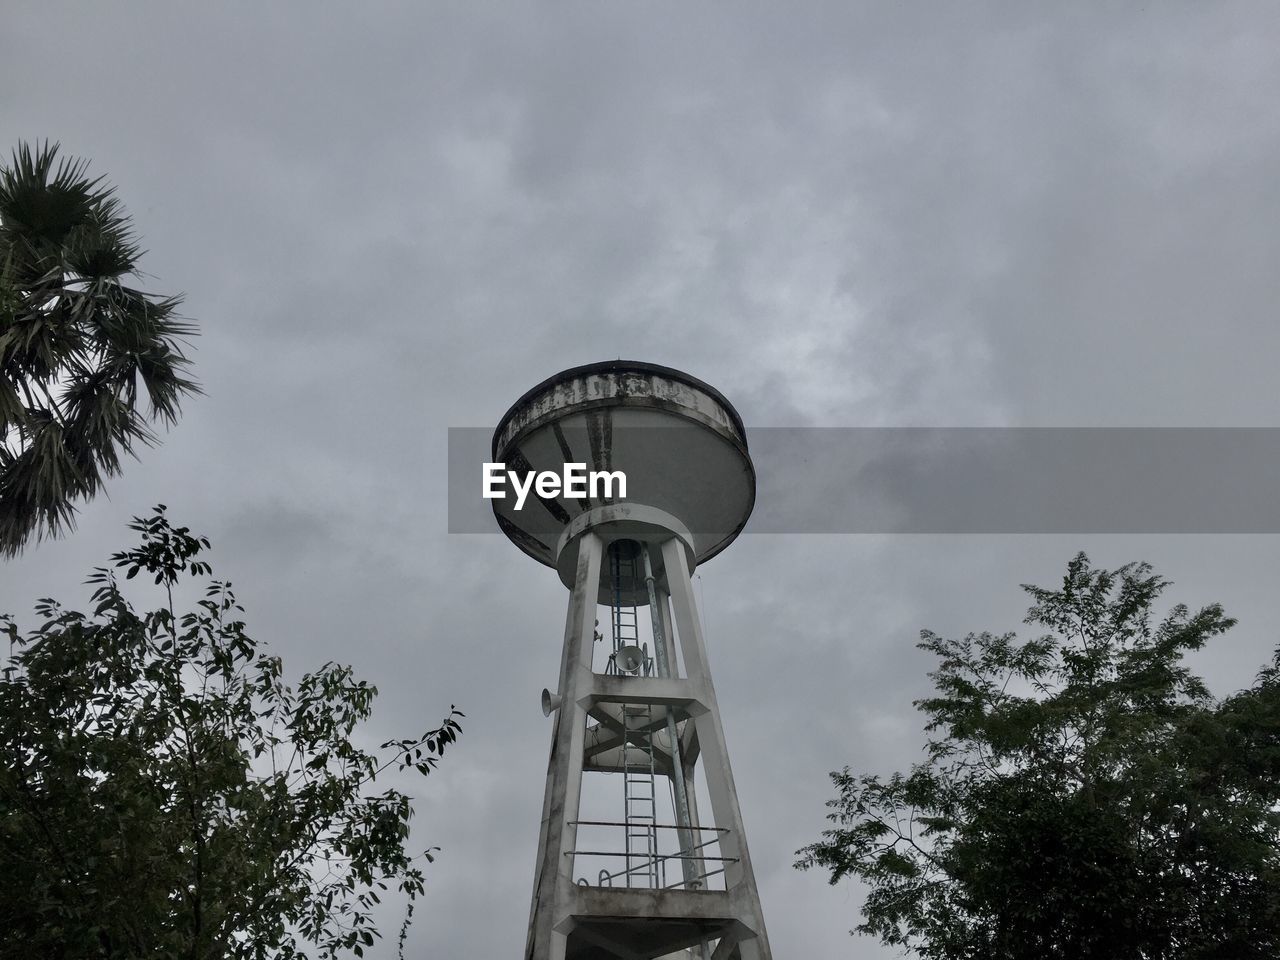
(657, 865)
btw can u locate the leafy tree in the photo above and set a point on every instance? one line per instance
(1083, 795)
(163, 792)
(75, 342)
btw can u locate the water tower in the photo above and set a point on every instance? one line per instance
(628, 866)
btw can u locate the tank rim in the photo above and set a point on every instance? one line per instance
(619, 366)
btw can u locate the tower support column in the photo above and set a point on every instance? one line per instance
(553, 884)
(714, 754)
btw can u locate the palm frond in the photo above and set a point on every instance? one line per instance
(75, 343)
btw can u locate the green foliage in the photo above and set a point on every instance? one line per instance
(1083, 795)
(163, 792)
(75, 343)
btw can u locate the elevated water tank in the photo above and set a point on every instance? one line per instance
(678, 441)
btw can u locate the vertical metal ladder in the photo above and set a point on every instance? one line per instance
(638, 785)
(625, 626)
(639, 800)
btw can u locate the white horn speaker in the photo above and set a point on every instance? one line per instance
(550, 702)
(629, 659)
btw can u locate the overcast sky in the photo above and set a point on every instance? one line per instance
(394, 219)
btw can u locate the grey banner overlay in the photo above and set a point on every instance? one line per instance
(975, 480)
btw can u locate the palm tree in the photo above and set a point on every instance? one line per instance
(75, 342)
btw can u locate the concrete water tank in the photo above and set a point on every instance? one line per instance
(678, 441)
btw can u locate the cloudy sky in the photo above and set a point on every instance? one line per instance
(393, 219)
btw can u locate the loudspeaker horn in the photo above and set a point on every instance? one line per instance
(629, 659)
(550, 702)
